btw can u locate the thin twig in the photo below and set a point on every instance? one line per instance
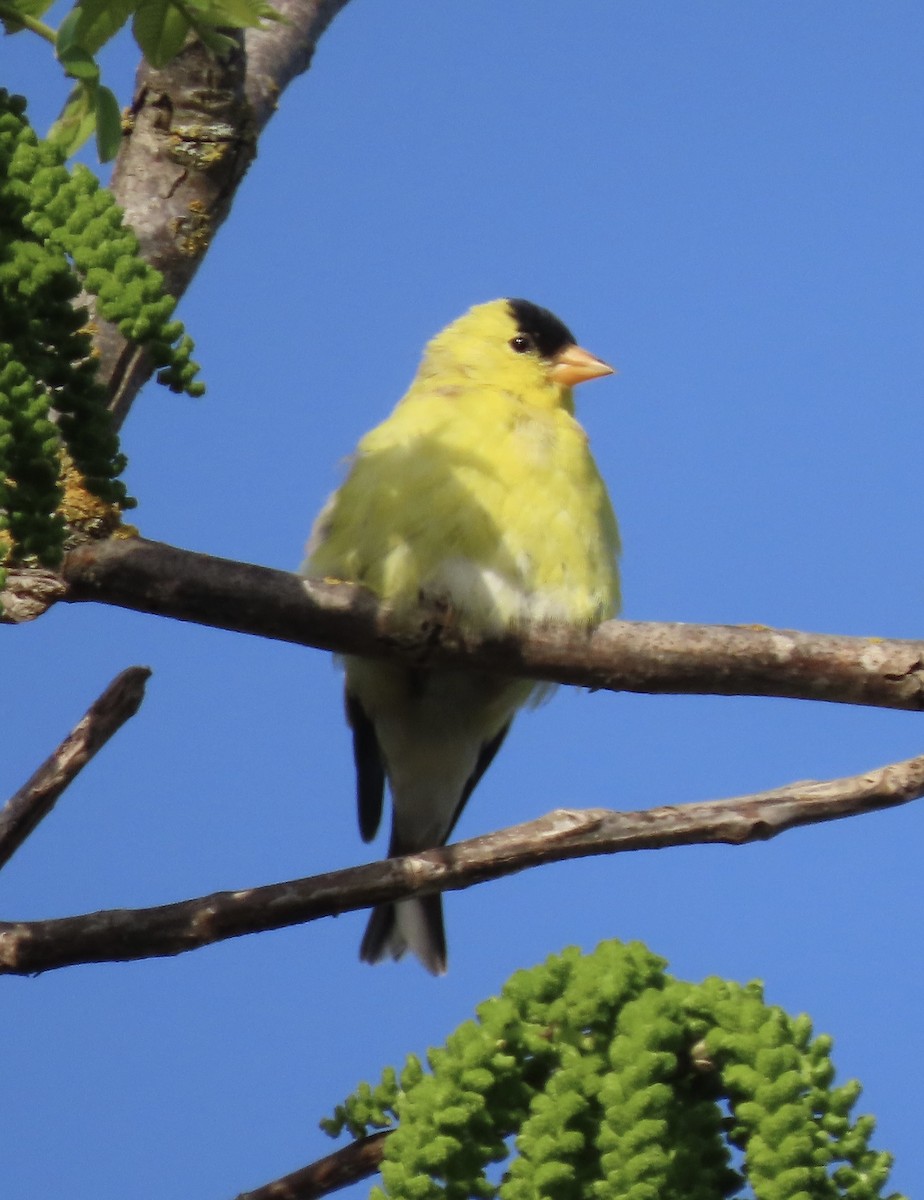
(35, 799)
(358, 1160)
(120, 935)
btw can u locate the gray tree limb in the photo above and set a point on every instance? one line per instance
(38, 796)
(122, 935)
(349, 1164)
(628, 656)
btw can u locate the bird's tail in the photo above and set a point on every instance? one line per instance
(415, 925)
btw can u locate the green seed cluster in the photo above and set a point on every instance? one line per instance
(71, 211)
(42, 355)
(61, 233)
(29, 492)
(793, 1126)
(614, 1081)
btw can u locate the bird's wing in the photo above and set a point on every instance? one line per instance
(370, 768)
(485, 758)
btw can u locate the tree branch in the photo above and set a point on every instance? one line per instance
(27, 593)
(283, 50)
(630, 656)
(187, 148)
(35, 799)
(358, 1160)
(121, 935)
(192, 136)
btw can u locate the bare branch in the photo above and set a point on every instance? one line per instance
(358, 1160)
(35, 799)
(620, 656)
(187, 149)
(120, 935)
(635, 656)
(283, 50)
(27, 593)
(192, 136)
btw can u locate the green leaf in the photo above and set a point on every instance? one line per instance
(100, 20)
(32, 8)
(108, 124)
(219, 43)
(235, 14)
(76, 122)
(67, 37)
(78, 63)
(160, 30)
(28, 8)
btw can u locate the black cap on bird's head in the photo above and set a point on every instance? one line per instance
(488, 339)
(541, 331)
(549, 335)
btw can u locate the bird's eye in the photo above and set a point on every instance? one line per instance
(522, 343)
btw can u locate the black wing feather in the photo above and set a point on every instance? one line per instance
(485, 758)
(370, 769)
(382, 938)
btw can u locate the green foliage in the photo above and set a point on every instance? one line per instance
(616, 1081)
(61, 233)
(160, 27)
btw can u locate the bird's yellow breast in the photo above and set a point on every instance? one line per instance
(471, 495)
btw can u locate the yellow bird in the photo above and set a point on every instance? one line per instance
(479, 492)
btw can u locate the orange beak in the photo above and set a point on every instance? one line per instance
(574, 365)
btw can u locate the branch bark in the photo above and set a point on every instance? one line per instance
(121, 935)
(36, 798)
(192, 136)
(630, 656)
(188, 146)
(358, 1160)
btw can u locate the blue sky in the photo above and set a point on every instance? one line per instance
(724, 200)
